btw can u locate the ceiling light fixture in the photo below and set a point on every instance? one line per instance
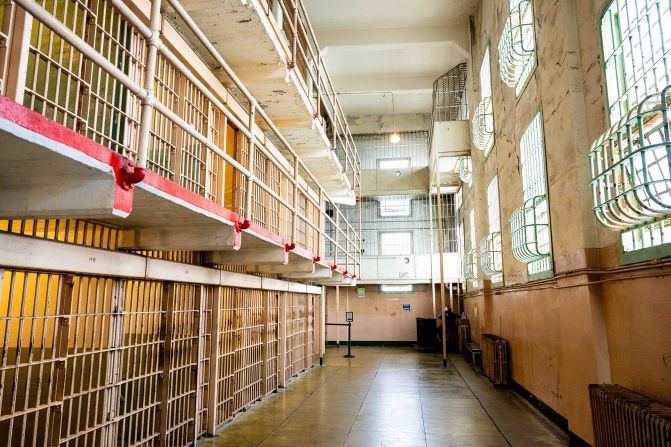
(394, 138)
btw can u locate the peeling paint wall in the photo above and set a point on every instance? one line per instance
(582, 326)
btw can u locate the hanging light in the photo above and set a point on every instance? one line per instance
(394, 138)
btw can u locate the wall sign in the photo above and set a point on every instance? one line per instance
(406, 307)
(349, 317)
(361, 292)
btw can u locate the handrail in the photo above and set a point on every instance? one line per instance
(295, 18)
(149, 103)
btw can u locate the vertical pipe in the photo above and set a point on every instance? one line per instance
(16, 67)
(431, 256)
(294, 223)
(337, 312)
(442, 271)
(322, 325)
(294, 45)
(149, 73)
(282, 343)
(320, 252)
(250, 160)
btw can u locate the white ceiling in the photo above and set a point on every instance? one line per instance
(400, 46)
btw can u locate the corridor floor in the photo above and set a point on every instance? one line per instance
(389, 397)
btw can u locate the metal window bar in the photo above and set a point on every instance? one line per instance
(57, 86)
(636, 42)
(491, 256)
(530, 223)
(631, 181)
(530, 230)
(482, 126)
(470, 265)
(517, 46)
(465, 166)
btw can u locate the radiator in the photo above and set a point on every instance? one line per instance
(495, 365)
(463, 333)
(622, 418)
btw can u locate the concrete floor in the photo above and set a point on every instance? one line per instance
(389, 397)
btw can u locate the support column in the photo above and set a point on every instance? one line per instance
(306, 331)
(322, 325)
(337, 328)
(442, 272)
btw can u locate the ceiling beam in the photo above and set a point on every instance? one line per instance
(394, 84)
(395, 37)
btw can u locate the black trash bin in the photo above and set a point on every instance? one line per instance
(426, 334)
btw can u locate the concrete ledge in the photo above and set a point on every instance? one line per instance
(27, 253)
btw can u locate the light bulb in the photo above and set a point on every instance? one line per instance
(394, 138)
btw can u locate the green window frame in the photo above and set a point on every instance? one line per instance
(517, 46)
(530, 223)
(491, 250)
(630, 163)
(482, 125)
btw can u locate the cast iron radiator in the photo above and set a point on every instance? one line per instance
(622, 417)
(495, 363)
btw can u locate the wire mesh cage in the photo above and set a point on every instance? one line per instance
(449, 95)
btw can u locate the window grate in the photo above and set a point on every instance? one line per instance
(491, 252)
(517, 47)
(483, 118)
(465, 170)
(530, 232)
(491, 257)
(636, 41)
(530, 223)
(471, 265)
(630, 166)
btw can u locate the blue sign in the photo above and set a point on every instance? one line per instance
(406, 307)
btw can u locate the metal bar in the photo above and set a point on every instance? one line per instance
(442, 272)
(168, 298)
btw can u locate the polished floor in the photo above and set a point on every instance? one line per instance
(389, 397)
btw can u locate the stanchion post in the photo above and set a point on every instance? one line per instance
(349, 341)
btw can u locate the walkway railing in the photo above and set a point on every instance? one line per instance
(130, 82)
(305, 58)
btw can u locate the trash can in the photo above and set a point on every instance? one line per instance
(426, 334)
